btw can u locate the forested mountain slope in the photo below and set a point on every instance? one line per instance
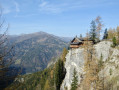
(34, 51)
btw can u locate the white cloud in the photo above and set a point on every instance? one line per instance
(26, 15)
(43, 4)
(50, 8)
(65, 5)
(12, 6)
(16, 6)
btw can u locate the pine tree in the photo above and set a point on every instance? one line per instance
(74, 84)
(59, 73)
(100, 82)
(105, 34)
(81, 36)
(92, 33)
(100, 63)
(110, 71)
(114, 42)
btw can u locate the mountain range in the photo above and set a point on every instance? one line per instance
(34, 51)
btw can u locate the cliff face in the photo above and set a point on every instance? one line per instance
(75, 59)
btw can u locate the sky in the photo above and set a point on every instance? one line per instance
(66, 18)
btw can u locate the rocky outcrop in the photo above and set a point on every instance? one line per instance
(75, 59)
(103, 48)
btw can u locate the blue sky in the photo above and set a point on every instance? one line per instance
(59, 17)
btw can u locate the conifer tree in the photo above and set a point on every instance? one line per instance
(105, 34)
(100, 63)
(100, 82)
(114, 42)
(92, 34)
(74, 84)
(110, 71)
(59, 73)
(81, 36)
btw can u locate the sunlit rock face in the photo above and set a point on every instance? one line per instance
(103, 48)
(74, 59)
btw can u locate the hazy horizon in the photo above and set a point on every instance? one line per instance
(34, 33)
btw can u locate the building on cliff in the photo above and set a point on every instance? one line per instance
(79, 42)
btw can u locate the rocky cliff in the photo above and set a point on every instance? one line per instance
(75, 59)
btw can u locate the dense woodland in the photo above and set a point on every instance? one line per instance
(49, 79)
